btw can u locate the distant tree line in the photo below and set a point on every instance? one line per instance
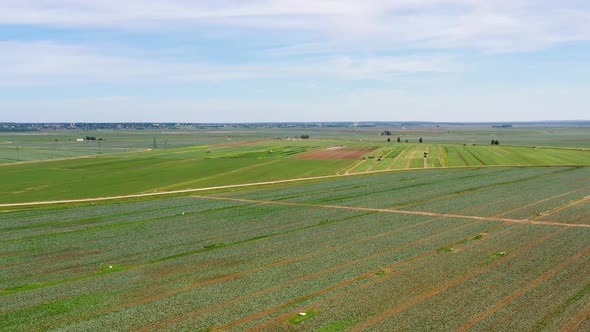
(495, 142)
(420, 140)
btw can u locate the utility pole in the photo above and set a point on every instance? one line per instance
(17, 156)
(99, 148)
(154, 146)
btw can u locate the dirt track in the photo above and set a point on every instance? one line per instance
(420, 213)
(254, 184)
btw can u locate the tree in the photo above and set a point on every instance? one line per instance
(420, 140)
(389, 139)
(399, 139)
(304, 136)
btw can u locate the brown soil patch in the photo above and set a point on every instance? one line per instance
(337, 153)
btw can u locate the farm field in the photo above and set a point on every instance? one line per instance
(58, 144)
(496, 248)
(203, 166)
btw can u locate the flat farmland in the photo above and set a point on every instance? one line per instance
(337, 152)
(412, 155)
(450, 249)
(239, 162)
(160, 170)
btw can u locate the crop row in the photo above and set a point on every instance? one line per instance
(412, 156)
(515, 193)
(276, 254)
(197, 263)
(575, 211)
(443, 293)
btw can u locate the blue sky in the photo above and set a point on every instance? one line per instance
(293, 60)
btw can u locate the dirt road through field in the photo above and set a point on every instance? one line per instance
(420, 213)
(254, 184)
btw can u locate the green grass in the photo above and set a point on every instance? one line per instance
(493, 257)
(298, 318)
(147, 172)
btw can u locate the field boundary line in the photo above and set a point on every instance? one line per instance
(462, 158)
(577, 320)
(476, 157)
(520, 292)
(547, 199)
(411, 157)
(382, 159)
(514, 154)
(441, 156)
(272, 161)
(392, 163)
(348, 171)
(561, 208)
(254, 184)
(419, 213)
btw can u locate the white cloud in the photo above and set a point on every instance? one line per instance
(495, 26)
(26, 63)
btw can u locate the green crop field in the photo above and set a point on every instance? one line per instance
(415, 250)
(201, 159)
(354, 234)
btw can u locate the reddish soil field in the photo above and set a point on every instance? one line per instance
(337, 153)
